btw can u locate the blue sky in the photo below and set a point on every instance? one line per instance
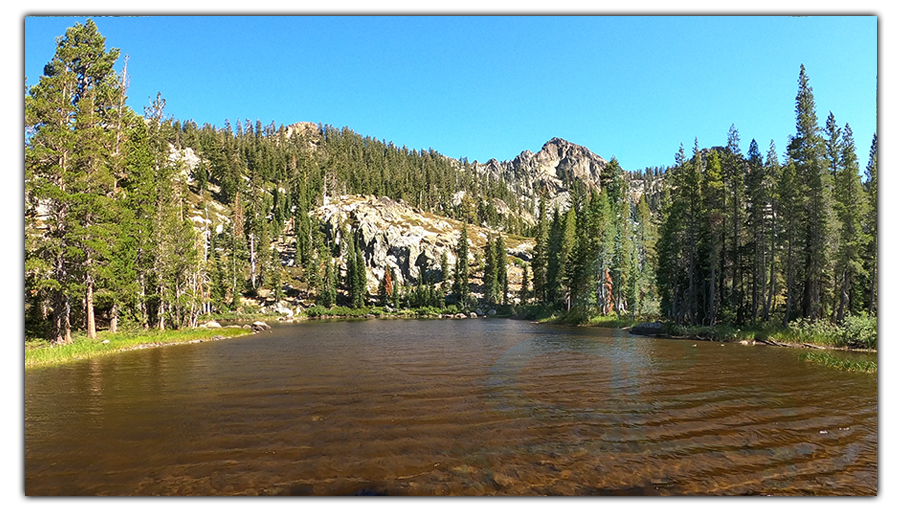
(481, 87)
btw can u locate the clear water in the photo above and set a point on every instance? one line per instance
(438, 407)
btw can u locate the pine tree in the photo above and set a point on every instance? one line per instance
(461, 276)
(502, 276)
(757, 197)
(871, 225)
(489, 275)
(645, 243)
(606, 230)
(773, 173)
(733, 169)
(445, 274)
(539, 259)
(621, 251)
(850, 210)
(807, 151)
(328, 295)
(524, 293)
(554, 246)
(70, 114)
(791, 207)
(359, 283)
(713, 233)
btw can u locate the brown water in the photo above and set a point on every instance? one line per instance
(449, 408)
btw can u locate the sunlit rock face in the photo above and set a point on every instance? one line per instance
(551, 171)
(395, 235)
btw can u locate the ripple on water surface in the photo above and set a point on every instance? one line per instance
(449, 407)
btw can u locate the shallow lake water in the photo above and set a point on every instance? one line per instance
(441, 407)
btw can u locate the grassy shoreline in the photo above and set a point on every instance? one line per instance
(844, 364)
(40, 353)
(795, 335)
(857, 334)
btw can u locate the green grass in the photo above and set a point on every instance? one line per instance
(347, 312)
(856, 332)
(575, 317)
(831, 361)
(42, 353)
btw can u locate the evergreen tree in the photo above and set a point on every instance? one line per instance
(871, 225)
(445, 275)
(773, 173)
(395, 294)
(733, 169)
(461, 276)
(645, 262)
(502, 281)
(791, 209)
(807, 152)
(713, 234)
(554, 247)
(758, 201)
(359, 282)
(328, 295)
(524, 293)
(621, 252)
(70, 115)
(850, 210)
(489, 275)
(539, 259)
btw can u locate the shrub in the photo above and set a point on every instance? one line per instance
(861, 330)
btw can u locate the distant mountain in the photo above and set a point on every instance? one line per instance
(552, 171)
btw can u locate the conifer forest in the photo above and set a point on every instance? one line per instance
(142, 220)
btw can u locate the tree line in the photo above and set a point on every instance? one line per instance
(112, 212)
(752, 239)
(599, 254)
(117, 226)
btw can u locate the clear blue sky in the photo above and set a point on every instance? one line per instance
(483, 87)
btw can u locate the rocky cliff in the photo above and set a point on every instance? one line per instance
(401, 237)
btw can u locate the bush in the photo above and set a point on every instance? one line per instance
(861, 330)
(813, 331)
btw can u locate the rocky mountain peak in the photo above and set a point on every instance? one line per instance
(552, 171)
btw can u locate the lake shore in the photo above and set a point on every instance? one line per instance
(749, 337)
(42, 354)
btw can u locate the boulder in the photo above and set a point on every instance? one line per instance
(212, 324)
(259, 326)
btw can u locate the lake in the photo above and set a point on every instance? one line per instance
(450, 407)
